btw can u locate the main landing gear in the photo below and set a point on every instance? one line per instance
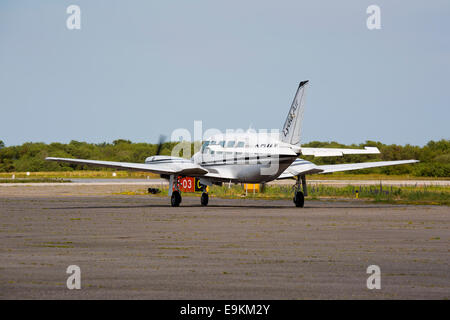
(299, 196)
(299, 199)
(175, 199)
(174, 192)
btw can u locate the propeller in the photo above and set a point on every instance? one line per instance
(162, 138)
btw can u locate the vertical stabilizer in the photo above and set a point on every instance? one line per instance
(291, 132)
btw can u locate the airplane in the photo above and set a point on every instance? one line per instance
(247, 157)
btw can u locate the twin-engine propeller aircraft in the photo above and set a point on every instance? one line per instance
(247, 158)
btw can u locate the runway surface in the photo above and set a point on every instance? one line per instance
(138, 247)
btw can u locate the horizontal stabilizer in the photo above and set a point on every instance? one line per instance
(337, 152)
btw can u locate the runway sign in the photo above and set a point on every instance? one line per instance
(189, 184)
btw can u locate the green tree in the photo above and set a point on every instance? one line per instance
(434, 156)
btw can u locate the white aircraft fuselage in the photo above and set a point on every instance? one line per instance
(247, 157)
(244, 157)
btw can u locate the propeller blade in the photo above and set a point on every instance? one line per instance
(162, 138)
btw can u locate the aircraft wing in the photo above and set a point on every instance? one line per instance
(337, 152)
(176, 167)
(301, 167)
(362, 165)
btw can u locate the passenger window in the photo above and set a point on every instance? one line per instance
(240, 144)
(222, 143)
(230, 144)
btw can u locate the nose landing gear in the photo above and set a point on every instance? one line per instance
(204, 199)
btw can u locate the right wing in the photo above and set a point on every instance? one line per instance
(179, 167)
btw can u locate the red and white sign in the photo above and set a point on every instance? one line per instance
(189, 184)
(186, 184)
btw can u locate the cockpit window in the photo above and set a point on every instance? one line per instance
(205, 144)
(222, 143)
(240, 144)
(230, 144)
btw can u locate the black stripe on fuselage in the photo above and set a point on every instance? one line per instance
(282, 159)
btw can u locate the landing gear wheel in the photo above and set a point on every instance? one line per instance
(204, 199)
(175, 200)
(299, 199)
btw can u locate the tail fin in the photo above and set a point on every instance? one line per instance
(292, 126)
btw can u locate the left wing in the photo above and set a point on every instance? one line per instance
(170, 166)
(362, 165)
(302, 167)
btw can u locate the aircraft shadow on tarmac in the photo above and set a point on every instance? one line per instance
(307, 207)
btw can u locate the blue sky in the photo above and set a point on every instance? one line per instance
(138, 69)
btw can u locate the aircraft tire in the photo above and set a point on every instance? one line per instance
(299, 199)
(175, 200)
(204, 199)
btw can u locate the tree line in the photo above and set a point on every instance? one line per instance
(434, 156)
